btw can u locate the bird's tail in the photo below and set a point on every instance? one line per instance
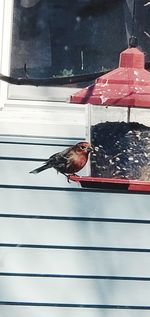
(39, 169)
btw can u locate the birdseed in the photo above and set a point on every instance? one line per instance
(122, 150)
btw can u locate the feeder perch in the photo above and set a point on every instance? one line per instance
(118, 126)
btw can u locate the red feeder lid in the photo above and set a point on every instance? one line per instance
(127, 85)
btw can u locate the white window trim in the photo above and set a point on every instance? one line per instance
(6, 7)
(10, 93)
(33, 111)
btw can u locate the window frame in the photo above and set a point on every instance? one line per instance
(35, 111)
(5, 43)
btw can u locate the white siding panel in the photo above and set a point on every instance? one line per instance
(36, 140)
(18, 172)
(29, 151)
(68, 312)
(74, 233)
(71, 291)
(39, 129)
(43, 119)
(75, 262)
(33, 150)
(60, 202)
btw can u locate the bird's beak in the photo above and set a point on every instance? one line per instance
(90, 149)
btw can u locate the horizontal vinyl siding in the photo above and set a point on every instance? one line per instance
(75, 233)
(67, 251)
(43, 119)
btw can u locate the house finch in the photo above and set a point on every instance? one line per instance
(69, 161)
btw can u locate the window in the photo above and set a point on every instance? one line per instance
(65, 38)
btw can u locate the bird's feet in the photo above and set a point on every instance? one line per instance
(68, 177)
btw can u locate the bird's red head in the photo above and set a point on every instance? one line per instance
(83, 147)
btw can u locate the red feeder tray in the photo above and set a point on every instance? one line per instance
(112, 184)
(122, 95)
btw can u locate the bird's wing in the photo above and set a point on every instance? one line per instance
(57, 159)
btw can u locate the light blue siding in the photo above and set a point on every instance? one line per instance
(80, 252)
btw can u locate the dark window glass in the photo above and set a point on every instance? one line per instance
(71, 37)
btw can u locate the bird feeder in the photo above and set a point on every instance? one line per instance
(119, 126)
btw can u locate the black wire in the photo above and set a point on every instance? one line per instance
(52, 81)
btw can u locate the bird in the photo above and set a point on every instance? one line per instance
(68, 162)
